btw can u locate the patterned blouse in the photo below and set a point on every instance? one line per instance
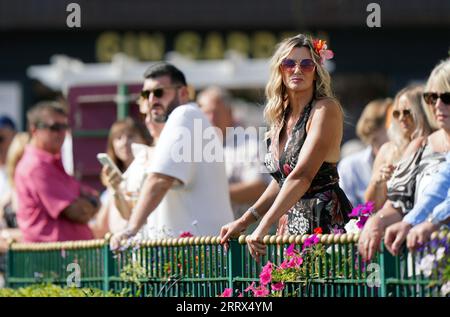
(324, 204)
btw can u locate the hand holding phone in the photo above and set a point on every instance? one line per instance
(105, 160)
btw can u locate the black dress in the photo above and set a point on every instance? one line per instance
(324, 204)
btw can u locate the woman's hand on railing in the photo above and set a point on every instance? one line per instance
(116, 238)
(420, 234)
(255, 244)
(231, 230)
(395, 236)
(370, 238)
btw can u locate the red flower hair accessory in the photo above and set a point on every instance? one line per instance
(321, 48)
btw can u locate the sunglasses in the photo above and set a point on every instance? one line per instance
(55, 127)
(305, 65)
(406, 113)
(432, 97)
(157, 92)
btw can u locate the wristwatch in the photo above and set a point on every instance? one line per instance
(434, 221)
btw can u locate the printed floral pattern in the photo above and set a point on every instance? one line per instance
(324, 204)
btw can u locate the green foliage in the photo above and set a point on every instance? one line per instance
(50, 290)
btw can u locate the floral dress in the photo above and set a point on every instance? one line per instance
(324, 204)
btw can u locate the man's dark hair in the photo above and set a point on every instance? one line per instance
(166, 69)
(37, 114)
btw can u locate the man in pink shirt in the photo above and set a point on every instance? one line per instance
(53, 206)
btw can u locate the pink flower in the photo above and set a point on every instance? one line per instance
(240, 294)
(265, 278)
(261, 292)
(277, 286)
(290, 250)
(355, 211)
(298, 260)
(251, 287)
(362, 221)
(285, 264)
(228, 292)
(266, 274)
(311, 241)
(186, 234)
(326, 54)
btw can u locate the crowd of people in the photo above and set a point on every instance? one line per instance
(181, 172)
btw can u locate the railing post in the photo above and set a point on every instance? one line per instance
(107, 262)
(122, 104)
(234, 262)
(387, 271)
(9, 264)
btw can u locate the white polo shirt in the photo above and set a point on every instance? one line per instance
(201, 203)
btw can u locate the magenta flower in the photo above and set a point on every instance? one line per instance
(285, 264)
(261, 292)
(251, 287)
(277, 286)
(362, 221)
(355, 211)
(290, 250)
(228, 292)
(298, 260)
(311, 241)
(265, 277)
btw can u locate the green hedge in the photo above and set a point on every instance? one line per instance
(50, 290)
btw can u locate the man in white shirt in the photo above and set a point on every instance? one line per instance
(189, 189)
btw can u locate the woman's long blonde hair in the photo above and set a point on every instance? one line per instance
(422, 128)
(440, 79)
(15, 153)
(276, 92)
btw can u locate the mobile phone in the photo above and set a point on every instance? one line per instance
(105, 160)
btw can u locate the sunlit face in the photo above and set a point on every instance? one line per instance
(159, 106)
(441, 110)
(51, 132)
(402, 113)
(122, 145)
(298, 78)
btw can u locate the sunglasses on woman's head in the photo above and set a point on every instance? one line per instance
(306, 65)
(157, 92)
(396, 113)
(432, 97)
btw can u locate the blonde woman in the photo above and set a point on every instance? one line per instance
(421, 162)
(306, 126)
(408, 122)
(9, 203)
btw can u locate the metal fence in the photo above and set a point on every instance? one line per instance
(201, 267)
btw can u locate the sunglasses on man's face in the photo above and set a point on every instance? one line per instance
(406, 113)
(55, 127)
(432, 97)
(157, 92)
(305, 65)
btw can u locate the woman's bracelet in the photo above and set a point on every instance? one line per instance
(254, 213)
